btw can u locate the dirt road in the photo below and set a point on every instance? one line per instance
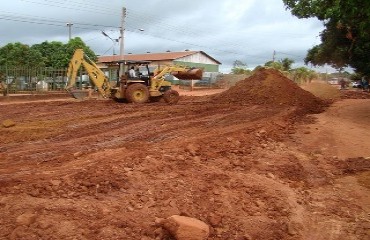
(102, 170)
(343, 130)
(338, 143)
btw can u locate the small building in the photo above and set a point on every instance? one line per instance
(198, 59)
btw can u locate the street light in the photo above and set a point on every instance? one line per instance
(113, 40)
(69, 25)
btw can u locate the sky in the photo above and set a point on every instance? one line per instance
(250, 31)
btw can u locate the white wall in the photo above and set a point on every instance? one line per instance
(197, 58)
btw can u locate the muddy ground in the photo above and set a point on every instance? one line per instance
(251, 164)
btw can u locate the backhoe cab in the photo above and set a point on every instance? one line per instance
(143, 86)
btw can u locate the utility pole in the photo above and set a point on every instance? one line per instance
(122, 42)
(69, 25)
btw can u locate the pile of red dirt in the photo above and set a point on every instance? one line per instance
(354, 95)
(271, 87)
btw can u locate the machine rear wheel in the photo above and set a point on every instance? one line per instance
(137, 93)
(171, 96)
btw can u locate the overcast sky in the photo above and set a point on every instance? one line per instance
(227, 30)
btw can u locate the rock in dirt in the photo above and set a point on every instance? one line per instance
(8, 123)
(26, 219)
(215, 219)
(186, 228)
(77, 154)
(192, 149)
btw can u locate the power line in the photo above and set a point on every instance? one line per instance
(51, 22)
(138, 19)
(59, 23)
(74, 6)
(289, 54)
(196, 45)
(135, 20)
(41, 19)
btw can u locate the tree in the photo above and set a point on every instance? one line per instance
(273, 64)
(333, 50)
(18, 54)
(282, 65)
(54, 53)
(346, 38)
(303, 74)
(76, 43)
(46, 54)
(287, 63)
(58, 54)
(240, 67)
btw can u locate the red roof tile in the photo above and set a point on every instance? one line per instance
(150, 57)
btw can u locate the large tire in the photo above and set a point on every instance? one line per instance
(137, 93)
(171, 96)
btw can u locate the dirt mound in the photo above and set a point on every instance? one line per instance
(269, 86)
(322, 90)
(354, 95)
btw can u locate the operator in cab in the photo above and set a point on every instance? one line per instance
(132, 72)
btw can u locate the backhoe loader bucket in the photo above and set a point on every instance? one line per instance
(192, 74)
(79, 94)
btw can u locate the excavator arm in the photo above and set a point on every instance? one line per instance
(97, 76)
(183, 73)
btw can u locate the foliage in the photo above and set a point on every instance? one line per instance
(303, 74)
(76, 43)
(239, 64)
(53, 52)
(333, 50)
(282, 65)
(240, 67)
(346, 38)
(18, 54)
(287, 63)
(355, 77)
(240, 71)
(257, 68)
(299, 75)
(273, 64)
(47, 54)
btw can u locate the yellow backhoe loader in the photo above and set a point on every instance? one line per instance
(143, 88)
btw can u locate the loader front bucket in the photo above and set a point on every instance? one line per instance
(79, 94)
(192, 74)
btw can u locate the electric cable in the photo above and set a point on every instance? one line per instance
(134, 20)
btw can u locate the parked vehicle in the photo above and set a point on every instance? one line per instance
(356, 84)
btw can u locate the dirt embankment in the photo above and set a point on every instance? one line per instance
(103, 170)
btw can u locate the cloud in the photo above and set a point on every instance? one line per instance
(228, 30)
(233, 10)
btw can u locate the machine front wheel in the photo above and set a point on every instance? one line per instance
(171, 96)
(137, 93)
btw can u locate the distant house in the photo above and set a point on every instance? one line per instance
(198, 59)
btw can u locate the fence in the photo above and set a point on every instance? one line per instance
(38, 80)
(23, 79)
